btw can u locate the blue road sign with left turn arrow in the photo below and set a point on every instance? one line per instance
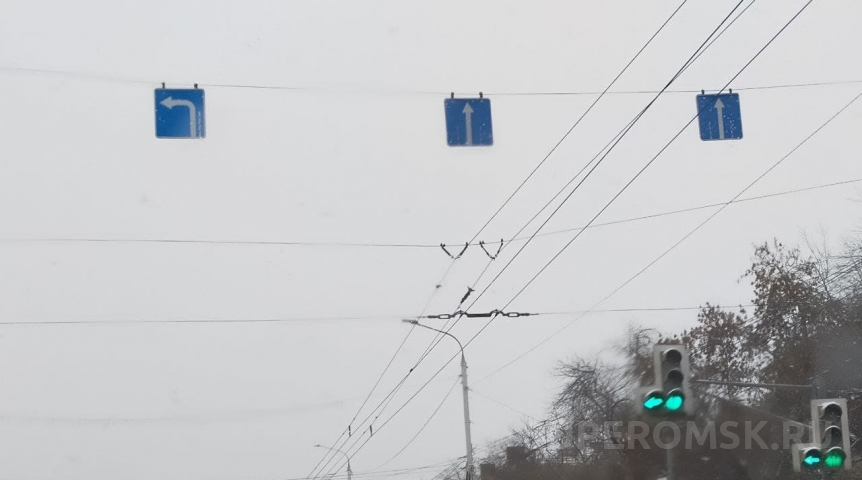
(468, 122)
(720, 116)
(180, 113)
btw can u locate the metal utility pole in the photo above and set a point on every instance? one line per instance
(466, 390)
(671, 460)
(332, 449)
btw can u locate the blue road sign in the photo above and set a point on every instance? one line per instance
(468, 122)
(180, 113)
(720, 117)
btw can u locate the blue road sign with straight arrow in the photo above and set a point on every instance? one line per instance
(720, 116)
(468, 122)
(180, 113)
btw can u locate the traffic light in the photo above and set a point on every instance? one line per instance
(672, 378)
(670, 395)
(829, 448)
(832, 428)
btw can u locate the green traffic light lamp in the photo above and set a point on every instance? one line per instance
(834, 458)
(812, 458)
(675, 400)
(653, 400)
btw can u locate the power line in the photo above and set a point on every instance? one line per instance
(384, 473)
(634, 310)
(473, 303)
(679, 242)
(579, 120)
(169, 241)
(161, 321)
(221, 242)
(607, 151)
(387, 318)
(599, 159)
(471, 289)
(501, 93)
(421, 429)
(392, 393)
(696, 208)
(759, 52)
(486, 397)
(648, 164)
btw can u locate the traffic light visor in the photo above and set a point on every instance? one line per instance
(831, 411)
(672, 356)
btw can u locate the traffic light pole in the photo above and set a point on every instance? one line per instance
(671, 459)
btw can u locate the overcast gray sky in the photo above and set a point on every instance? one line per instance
(357, 153)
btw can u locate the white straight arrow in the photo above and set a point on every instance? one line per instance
(468, 117)
(193, 113)
(719, 107)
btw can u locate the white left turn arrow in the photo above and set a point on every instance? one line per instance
(468, 117)
(170, 103)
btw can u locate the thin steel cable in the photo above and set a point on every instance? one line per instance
(774, 37)
(622, 132)
(688, 63)
(675, 245)
(393, 392)
(578, 121)
(421, 429)
(604, 156)
(617, 137)
(501, 93)
(180, 241)
(514, 239)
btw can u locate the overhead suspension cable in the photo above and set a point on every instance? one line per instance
(676, 244)
(440, 370)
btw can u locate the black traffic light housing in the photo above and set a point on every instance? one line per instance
(670, 395)
(829, 446)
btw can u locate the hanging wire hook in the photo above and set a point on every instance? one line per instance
(499, 249)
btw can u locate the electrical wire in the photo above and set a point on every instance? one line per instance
(546, 157)
(394, 391)
(421, 429)
(202, 321)
(679, 242)
(696, 208)
(391, 318)
(607, 150)
(420, 245)
(578, 121)
(599, 159)
(650, 163)
(501, 93)
(688, 63)
(221, 242)
(486, 397)
(385, 473)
